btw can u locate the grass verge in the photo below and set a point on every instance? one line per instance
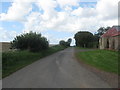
(13, 61)
(102, 59)
(83, 48)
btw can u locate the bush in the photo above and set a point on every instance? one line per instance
(84, 39)
(65, 43)
(15, 60)
(31, 41)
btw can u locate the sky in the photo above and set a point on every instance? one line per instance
(55, 19)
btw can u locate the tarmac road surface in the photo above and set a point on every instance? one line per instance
(59, 70)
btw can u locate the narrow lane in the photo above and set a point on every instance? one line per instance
(59, 70)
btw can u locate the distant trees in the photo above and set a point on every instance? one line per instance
(84, 39)
(96, 41)
(87, 39)
(69, 41)
(64, 43)
(101, 31)
(31, 41)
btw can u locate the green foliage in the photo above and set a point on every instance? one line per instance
(31, 41)
(101, 31)
(69, 41)
(97, 35)
(95, 41)
(84, 39)
(64, 43)
(87, 39)
(101, 59)
(15, 60)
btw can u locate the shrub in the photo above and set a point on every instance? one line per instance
(31, 41)
(84, 39)
(65, 43)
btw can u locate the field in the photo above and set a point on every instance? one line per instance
(102, 59)
(13, 61)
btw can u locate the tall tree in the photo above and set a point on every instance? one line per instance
(102, 30)
(83, 39)
(69, 41)
(99, 33)
(63, 43)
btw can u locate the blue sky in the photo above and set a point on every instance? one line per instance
(55, 19)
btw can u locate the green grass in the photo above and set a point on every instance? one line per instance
(13, 61)
(102, 59)
(83, 48)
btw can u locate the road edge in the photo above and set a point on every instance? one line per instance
(110, 78)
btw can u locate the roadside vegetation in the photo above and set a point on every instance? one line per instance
(26, 49)
(102, 59)
(31, 41)
(15, 60)
(83, 48)
(65, 43)
(84, 39)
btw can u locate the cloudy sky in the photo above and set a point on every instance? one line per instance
(55, 19)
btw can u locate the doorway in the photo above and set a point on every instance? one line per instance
(107, 43)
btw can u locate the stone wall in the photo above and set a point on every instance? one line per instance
(103, 42)
(117, 42)
(5, 46)
(112, 43)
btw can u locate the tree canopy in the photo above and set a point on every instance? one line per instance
(31, 41)
(102, 30)
(83, 39)
(69, 41)
(62, 42)
(65, 43)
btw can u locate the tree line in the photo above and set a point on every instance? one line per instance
(87, 39)
(34, 42)
(65, 43)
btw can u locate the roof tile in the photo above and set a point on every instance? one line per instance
(112, 32)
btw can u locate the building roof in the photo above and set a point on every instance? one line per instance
(114, 31)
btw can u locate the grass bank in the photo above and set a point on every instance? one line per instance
(102, 59)
(84, 48)
(13, 61)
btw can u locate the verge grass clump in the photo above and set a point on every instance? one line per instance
(102, 59)
(15, 60)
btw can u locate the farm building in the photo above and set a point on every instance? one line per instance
(111, 39)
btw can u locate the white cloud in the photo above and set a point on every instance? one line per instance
(53, 40)
(48, 7)
(107, 9)
(7, 35)
(77, 19)
(17, 11)
(64, 3)
(33, 22)
(68, 19)
(84, 12)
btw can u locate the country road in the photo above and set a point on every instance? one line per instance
(59, 70)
